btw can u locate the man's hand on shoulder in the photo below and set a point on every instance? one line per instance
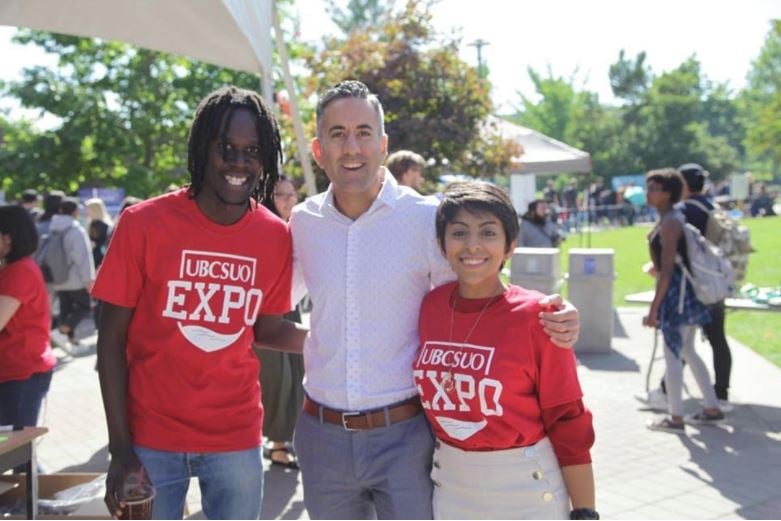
(560, 320)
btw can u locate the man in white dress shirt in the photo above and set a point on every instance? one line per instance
(367, 253)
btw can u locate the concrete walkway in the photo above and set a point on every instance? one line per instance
(728, 472)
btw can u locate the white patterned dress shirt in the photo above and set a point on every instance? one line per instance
(367, 279)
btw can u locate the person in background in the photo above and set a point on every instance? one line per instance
(26, 358)
(281, 374)
(51, 207)
(407, 167)
(29, 202)
(100, 223)
(695, 208)
(537, 229)
(517, 419)
(73, 293)
(675, 309)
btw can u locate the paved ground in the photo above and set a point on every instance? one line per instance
(728, 472)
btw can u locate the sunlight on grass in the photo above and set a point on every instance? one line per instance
(758, 329)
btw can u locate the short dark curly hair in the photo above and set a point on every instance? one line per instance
(213, 117)
(18, 223)
(477, 197)
(671, 181)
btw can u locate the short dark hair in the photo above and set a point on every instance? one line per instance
(671, 181)
(694, 176)
(69, 205)
(30, 196)
(51, 204)
(16, 222)
(477, 197)
(349, 89)
(212, 118)
(401, 161)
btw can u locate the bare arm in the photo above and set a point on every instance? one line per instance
(112, 368)
(580, 485)
(8, 308)
(669, 233)
(561, 321)
(279, 334)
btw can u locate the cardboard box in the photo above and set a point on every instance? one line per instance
(48, 485)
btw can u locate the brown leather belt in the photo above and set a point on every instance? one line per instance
(365, 420)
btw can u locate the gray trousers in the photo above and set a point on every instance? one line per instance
(382, 472)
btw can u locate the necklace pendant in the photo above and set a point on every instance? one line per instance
(448, 384)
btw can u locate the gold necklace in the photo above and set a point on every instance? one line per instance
(448, 381)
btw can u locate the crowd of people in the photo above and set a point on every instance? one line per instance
(406, 382)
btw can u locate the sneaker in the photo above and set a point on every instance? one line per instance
(61, 340)
(726, 406)
(703, 418)
(666, 425)
(655, 399)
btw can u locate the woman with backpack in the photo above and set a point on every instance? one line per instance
(675, 309)
(26, 358)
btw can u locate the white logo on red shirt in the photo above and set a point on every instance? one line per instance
(211, 283)
(469, 366)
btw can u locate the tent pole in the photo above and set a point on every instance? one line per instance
(303, 146)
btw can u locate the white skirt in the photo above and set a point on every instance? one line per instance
(523, 483)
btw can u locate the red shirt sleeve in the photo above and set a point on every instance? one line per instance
(120, 276)
(557, 378)
(277, 300)
(570, 429)
(17, 284)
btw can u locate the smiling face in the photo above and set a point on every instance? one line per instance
(475, 245)
(285, 198)
(351, 147)
(232, 170)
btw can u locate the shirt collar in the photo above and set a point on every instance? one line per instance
(389, 194)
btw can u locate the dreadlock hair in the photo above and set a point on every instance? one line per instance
(212, 119)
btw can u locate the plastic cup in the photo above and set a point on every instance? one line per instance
(139, 499)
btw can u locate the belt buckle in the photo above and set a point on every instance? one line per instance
(345, 416)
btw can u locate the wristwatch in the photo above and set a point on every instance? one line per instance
(584, 513)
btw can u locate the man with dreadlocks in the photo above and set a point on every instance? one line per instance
(189, 280)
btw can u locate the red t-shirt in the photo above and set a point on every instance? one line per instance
(24, 341)
(503, 380)
(197, 288)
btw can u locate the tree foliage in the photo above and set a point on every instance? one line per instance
(762, 102)
(434, 102)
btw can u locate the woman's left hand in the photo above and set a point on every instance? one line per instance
(650, 319)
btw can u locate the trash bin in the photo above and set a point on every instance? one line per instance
(536, 268)
(590, 284)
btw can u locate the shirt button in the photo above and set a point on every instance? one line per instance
(537, 474)
(547, 497)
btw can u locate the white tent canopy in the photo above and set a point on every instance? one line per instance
(235, 34)
(541, 154)
(229, 33)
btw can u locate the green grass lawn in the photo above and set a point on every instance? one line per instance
(758, 329)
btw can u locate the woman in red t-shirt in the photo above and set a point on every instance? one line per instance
(503, 400)
(26, 358)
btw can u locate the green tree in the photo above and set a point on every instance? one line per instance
(359, 15)
(761, 101)
(434, 102)
(629, 79)
(552, 114)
